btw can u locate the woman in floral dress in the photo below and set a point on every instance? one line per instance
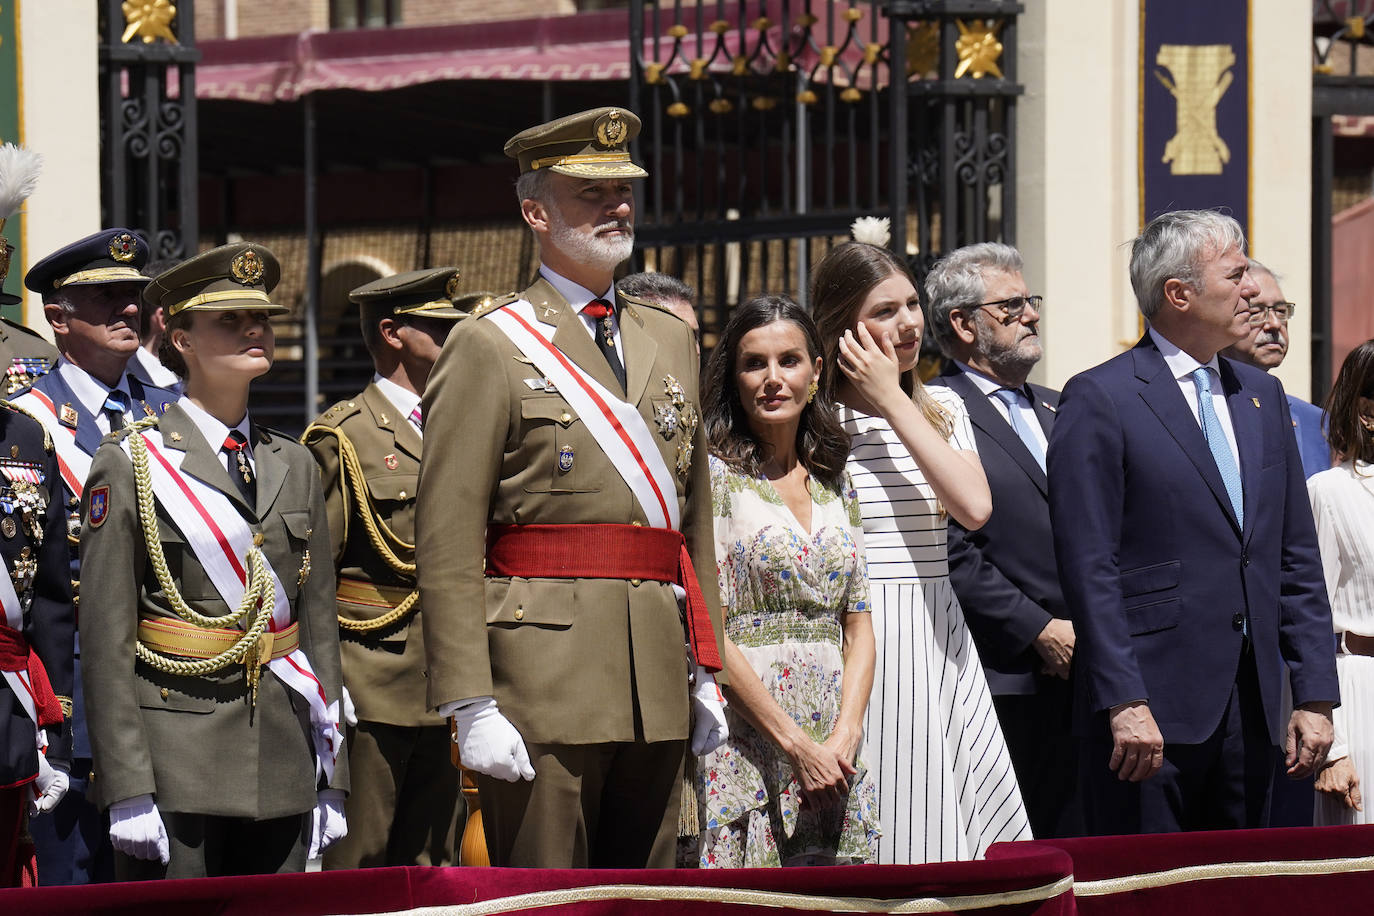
(788, 787)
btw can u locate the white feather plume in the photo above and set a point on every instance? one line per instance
(19, 169)
(872, 230)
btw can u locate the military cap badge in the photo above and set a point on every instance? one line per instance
(246, 267)
(451, 288)
(610, 130)
(123, 247)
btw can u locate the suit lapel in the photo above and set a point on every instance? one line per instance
(88, 434)
(179, 432)
(985, 417)
(640, 350)
(384, 413)
(570, 333)
(270, 468)
(1161, 393)
(1246, 416)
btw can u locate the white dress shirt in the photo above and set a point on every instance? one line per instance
(578, 296)
(157, 373)
(1182, 366)
(92, 393)
(404, 400)
(216, 432)
(989, 387)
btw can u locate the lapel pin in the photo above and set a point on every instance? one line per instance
(14, 449)
(148, 411)
(565, 459)
(68, 415)
(1048, 406)
(386, 421)
(1255, 401)
(175, 437)
(1295, 423)
(549, 311)
(391, 462)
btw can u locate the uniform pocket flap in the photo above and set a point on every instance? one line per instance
(1148, 579)
(297, 522)
(1151, 618)
(394, 487)
(530, 602)
(555, 409)
(154, 696)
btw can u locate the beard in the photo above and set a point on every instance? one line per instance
(588, 247)
(1012, 363)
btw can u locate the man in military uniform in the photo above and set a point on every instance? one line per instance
(569, 500)
(24, 353)
(405, 807)
(36, 628)
(90, 291)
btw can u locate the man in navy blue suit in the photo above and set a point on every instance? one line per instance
(91, 293)
(1187, 555)
(1265, 348)
(986, 321)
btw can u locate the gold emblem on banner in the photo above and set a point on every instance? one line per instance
(1201, 75)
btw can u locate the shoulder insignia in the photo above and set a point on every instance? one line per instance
(67, 415)
(491, 305)
(642, 303)
(100, 505)
(336, 415)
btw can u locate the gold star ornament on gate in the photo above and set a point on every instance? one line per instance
(978, 50)
(149, 20)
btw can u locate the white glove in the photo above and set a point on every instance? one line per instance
(349, 710)
(709, 730)
(48, 788)
(488, 743)
(327, 822)
(136, 829)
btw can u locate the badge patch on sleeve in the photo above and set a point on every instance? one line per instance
(100, 506)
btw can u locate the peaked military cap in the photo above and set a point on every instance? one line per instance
(109, 256)
(237, 276)
(589, 144)
(429, 293)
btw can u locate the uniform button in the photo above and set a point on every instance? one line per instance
(520, 613)
(566, 417)
(1238, 622)
(635, 582)
(403, 494)
(163, 693)
(637, 524)
(1245, 559)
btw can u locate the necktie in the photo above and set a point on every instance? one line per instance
(116, 402)
(240, 471)
(1009, 397)
(1216, 441)
(605, 335)
(417, 417)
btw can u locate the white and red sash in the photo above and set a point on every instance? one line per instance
(615, 425)
(74, 464)
(221, 539)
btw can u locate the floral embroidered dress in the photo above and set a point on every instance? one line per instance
(784, 593)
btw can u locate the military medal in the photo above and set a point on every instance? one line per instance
(679, 414)
(67, 415)
(22, 372)
(8, 528)
(25, 568)
(392, 463)
(565, 459)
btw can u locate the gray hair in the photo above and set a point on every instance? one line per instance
(656, 287)
(533, 185)
(61, 298)
(1172, 247)
(1255, 267)
(956, 281)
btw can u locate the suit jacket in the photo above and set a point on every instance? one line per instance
(1159, 577)
(48, 621)
(384, 669)
(147, 401)
(1309, 426)
(1004, 573)
(568, 661)
(195, 743)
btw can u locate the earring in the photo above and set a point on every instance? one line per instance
(811, 390)
(1367, 423)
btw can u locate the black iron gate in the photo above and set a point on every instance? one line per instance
(769, 127)
(149, 174)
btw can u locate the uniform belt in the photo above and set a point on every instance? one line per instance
(370, 594)
(176, 637)
(1355, 644)
(632, 552)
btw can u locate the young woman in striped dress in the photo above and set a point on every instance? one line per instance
(946, 786)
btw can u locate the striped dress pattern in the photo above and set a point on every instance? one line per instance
(946, 787)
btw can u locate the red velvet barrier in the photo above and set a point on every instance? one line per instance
(1038, 873)
(1274, 872)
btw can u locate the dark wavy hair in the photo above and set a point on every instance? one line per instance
(1350, 439)
(822, 446)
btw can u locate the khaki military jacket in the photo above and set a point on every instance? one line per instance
(384, 669)
(569, 661)
(195, 742)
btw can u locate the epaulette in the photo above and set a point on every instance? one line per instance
(494, 303)
(338, 413)
(47, 436)
(265, 434)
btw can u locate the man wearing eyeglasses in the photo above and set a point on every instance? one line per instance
(984, 319)
(1265, 347)
(1188, 556)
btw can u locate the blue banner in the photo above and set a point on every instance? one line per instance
(1195, 107)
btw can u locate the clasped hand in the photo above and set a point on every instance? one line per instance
(823, 770)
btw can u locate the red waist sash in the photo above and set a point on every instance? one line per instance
(606, 552)
(17, 655)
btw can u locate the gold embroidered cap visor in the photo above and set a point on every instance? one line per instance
(114, 255)
(234, 277)
(429, 293)
(590, 144)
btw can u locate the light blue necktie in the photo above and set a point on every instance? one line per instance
(1216, 441)
(116, 403)
(1018, 424)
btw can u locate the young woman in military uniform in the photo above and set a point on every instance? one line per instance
(212, 662)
